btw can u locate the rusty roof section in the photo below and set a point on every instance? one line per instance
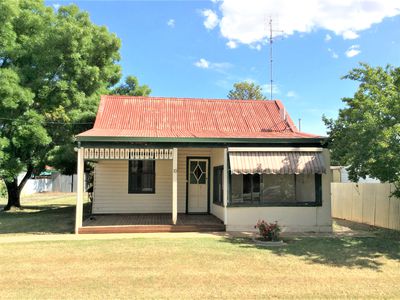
(153, 117)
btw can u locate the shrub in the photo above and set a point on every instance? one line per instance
(269, 231)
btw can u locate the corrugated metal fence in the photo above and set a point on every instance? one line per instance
(368, 203)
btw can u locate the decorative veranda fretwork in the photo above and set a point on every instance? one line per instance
(125, 153)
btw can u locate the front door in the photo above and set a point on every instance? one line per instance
(198, 185)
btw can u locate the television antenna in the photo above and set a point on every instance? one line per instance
(271, 40)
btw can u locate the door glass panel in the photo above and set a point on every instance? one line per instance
(197, 172)
(193, 165)
(202, 179)
(193, 179)
(202, 165)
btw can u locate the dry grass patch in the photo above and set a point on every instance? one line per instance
(201, 268)
(183, 268)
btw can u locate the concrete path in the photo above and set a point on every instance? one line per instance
(109, 236)
(340, 229)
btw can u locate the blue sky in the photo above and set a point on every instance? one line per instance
(201, 48)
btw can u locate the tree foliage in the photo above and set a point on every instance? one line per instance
(366, 134)
(63, 157)
(131, 87)
(246, 91)
(53, 66)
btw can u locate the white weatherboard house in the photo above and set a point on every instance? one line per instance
(171, 164)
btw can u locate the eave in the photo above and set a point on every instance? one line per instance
(185, 142)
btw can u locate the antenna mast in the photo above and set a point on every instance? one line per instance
(271, 41)
(270, 56)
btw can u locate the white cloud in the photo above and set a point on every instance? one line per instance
(224, 84)
(256, 47)
(202, 63)
(56, 6)
(231, 44)
(221, 67)
(249, 80)
(244, 21)
(327, 37)
(211, 19)
(353, 51)
(334, 54)
(266, 88)
(171, 23)
(350, 35)
(291, 94)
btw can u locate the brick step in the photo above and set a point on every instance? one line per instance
(151, 228)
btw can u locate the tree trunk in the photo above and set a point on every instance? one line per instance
(13, 194)
(14, 189)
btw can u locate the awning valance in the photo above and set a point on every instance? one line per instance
(294, 162)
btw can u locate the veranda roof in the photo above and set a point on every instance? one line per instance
(289, 162)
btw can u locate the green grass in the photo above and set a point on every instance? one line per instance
(183, 268)
(43, 213)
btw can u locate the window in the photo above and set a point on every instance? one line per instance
(141, 177)
(279, 188)
(218, 197)
(251, 188)
(276, 189)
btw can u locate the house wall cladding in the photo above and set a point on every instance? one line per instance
(111, 186)
(368, 203)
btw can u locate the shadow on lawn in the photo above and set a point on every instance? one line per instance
(351, 252)
(40, 219)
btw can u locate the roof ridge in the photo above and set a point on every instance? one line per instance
(188, 98)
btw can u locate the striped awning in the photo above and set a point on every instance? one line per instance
(277, 162)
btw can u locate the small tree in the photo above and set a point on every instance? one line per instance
(131, 87)
(366, 134)
(246, 91)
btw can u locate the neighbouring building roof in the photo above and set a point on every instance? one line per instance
(158, 117)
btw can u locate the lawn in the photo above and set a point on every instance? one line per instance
(42, 213)
(201, 267)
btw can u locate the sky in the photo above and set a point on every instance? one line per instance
(199, 49)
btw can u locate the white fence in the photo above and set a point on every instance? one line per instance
(368, 203)
(56, 183)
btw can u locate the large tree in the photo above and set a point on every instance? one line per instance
(246, 91)
(366, 134)
(53, 66)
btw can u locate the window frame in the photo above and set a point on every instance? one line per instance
(130, 179)
(216, 186)
(316, 203)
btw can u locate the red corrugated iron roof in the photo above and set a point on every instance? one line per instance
(152, 117)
